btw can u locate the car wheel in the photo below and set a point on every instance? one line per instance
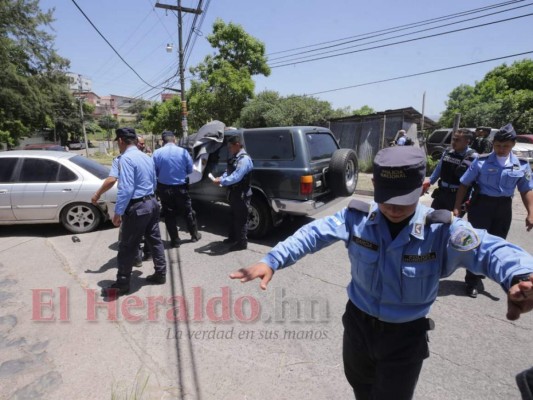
(80, 217)
(259, 218)
(343, 172)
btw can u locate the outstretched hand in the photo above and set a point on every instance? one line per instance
(520, 299)
(259, 270)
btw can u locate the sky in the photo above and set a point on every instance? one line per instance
(140, 33)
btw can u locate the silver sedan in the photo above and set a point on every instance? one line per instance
(46, 187)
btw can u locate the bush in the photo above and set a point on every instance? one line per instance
(431, 165)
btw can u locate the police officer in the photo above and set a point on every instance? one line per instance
(237, 179)
(137, 211)
(495, 176)
(173, 164)
(398, 250)
(449, 170)
(482, 143)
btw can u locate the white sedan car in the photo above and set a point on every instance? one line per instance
(49, 186)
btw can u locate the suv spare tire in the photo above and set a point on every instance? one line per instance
(343, 172)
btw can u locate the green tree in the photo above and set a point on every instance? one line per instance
(33, 81)
(223, 81)
(504, 95)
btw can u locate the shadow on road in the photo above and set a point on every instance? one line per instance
(457, 288)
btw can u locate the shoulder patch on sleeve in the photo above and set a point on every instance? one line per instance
(359, 205)
(439, 217)
(464, 239)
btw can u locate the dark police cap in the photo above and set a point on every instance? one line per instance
(166, 134)
(398, 175)
(234, 139)
(125, 133)
(505, 133)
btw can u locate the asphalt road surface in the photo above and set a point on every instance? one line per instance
(203, 336)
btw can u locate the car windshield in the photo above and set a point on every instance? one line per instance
(98, 170)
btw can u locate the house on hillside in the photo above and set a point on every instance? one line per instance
(367, 134)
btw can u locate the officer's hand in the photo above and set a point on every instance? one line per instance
(95, 198)
(216, 181)
(520, 299)
(529, 222)
(425, 186)
(117, 220)
(259, 270)
(456, 212)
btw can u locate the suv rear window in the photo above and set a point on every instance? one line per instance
(271, 145)
(320, 145)
(91, 166)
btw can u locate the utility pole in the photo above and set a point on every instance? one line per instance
(181, 9)
(80, 88)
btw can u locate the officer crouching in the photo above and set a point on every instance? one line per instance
(237, 179)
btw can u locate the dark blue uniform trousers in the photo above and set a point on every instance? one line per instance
(382, 361)
(141, 218)
(239, 205)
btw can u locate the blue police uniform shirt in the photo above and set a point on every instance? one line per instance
(172, 164)
(398, 280)
(244, 166)
(115, 169)
(497, 181)
(401, 141)
(436, 172)
(137, 178)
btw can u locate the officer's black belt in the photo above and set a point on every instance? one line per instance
(494, 198)
(447, 189)
(165, 186)
(420, 324)
(145, 198)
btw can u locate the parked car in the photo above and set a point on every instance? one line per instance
(524, 150)
(44, 146)
(76, 145)
(49, 186)
(297, 171)
(524, 138)
(441, 139)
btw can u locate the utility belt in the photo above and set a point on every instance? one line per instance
(165, 186)
(138, 200)
(418, 325)
(494, 198)
(448, 187)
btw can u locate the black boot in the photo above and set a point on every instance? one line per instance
(157, 278)
(116, 289)
(241, 245)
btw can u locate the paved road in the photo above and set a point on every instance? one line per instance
(291, 350)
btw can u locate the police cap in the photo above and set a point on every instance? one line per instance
(125, 133)
(398, 175)
(505, 133)
(166, 134)
(234, 139)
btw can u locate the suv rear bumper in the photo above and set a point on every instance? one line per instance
(307, 207)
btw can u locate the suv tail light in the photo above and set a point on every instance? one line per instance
(306, 184)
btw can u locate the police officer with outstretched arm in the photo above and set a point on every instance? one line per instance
(237, 179)
(172, 165)
(449, 170)
(137, 211)
(496, 176)
(398, 250)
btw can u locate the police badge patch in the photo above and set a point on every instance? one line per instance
(464, 239)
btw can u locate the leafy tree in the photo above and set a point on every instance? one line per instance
(108, 123)
(223, 81)
(504, 95)
(163, 117)
(32, 82)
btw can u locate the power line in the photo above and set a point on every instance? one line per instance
(390, 38)
(416, 24)
(419, 73)
(110, 45)
(400, 42)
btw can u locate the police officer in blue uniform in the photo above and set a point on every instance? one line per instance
(137, 212)
(398, 251)
(237, 179)
(449, 170)
(173, 164)
(495, 177)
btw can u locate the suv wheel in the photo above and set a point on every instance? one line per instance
(80, 217)
(259, 218)
(343, 172)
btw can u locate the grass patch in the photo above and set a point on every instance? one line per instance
(103, 158)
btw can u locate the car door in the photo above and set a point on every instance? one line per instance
(42, 188)
(205, 189)
(7, 168)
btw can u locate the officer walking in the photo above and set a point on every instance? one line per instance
(482, 143)
(137, 211)
(172, 165)
(449, 170)
(495, 176)
(398, 251)
(237, 179)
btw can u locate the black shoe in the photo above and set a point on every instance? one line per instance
(238, 246)
(196, 237)
(524, 380)
(229, 241)
(175, 243)
(116, 290)
(138, 263)
(157, 278)
(471, 291)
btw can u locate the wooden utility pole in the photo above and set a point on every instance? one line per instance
(181, 9)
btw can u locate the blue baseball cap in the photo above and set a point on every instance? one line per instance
(166, 134)
(125, 133)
